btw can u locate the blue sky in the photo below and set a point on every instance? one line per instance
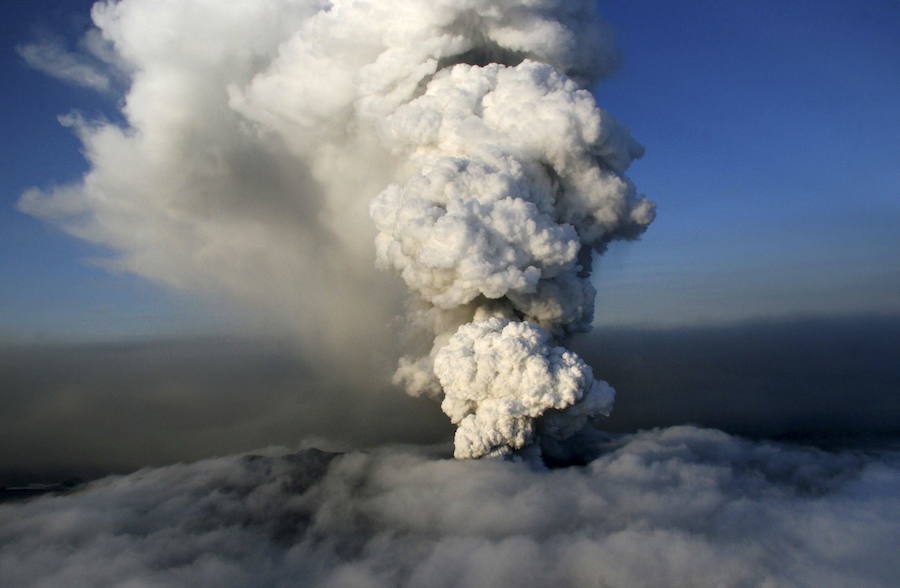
(772, 133)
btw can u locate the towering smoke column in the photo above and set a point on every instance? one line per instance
(256, 132)
(514, 177)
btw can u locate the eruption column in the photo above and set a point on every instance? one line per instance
(516, 178)
(253, 134)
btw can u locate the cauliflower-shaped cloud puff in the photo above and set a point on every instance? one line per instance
(499, 377)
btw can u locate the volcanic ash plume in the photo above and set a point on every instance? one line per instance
(499, 375)
(254, 134)
(515, 177)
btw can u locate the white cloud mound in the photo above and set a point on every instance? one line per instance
(499, 376)
(462, 229)
(510, 183)
(672, 507)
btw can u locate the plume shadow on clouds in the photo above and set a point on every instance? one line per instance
(94, 408)
(814, 378)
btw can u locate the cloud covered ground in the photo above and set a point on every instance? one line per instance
(681, 506)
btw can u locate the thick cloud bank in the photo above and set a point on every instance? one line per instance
(672, 507)
(258, 138)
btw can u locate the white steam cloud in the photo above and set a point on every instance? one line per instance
(498, 376)
(674, 507)
(516, 176)
(259, 138)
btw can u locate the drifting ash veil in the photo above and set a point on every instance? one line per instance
(262, 139)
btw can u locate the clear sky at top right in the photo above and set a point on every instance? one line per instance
(772, 132)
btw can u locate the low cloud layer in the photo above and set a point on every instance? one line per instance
(677, 507)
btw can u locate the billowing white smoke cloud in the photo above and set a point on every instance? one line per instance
(257, 133)
(498, 376)
(674, 507)
(518, 175)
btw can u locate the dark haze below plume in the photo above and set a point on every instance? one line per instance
(813, 378)
(90, 409)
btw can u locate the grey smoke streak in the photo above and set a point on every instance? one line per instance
(675, 507)
(51, 57)
(84, 409)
